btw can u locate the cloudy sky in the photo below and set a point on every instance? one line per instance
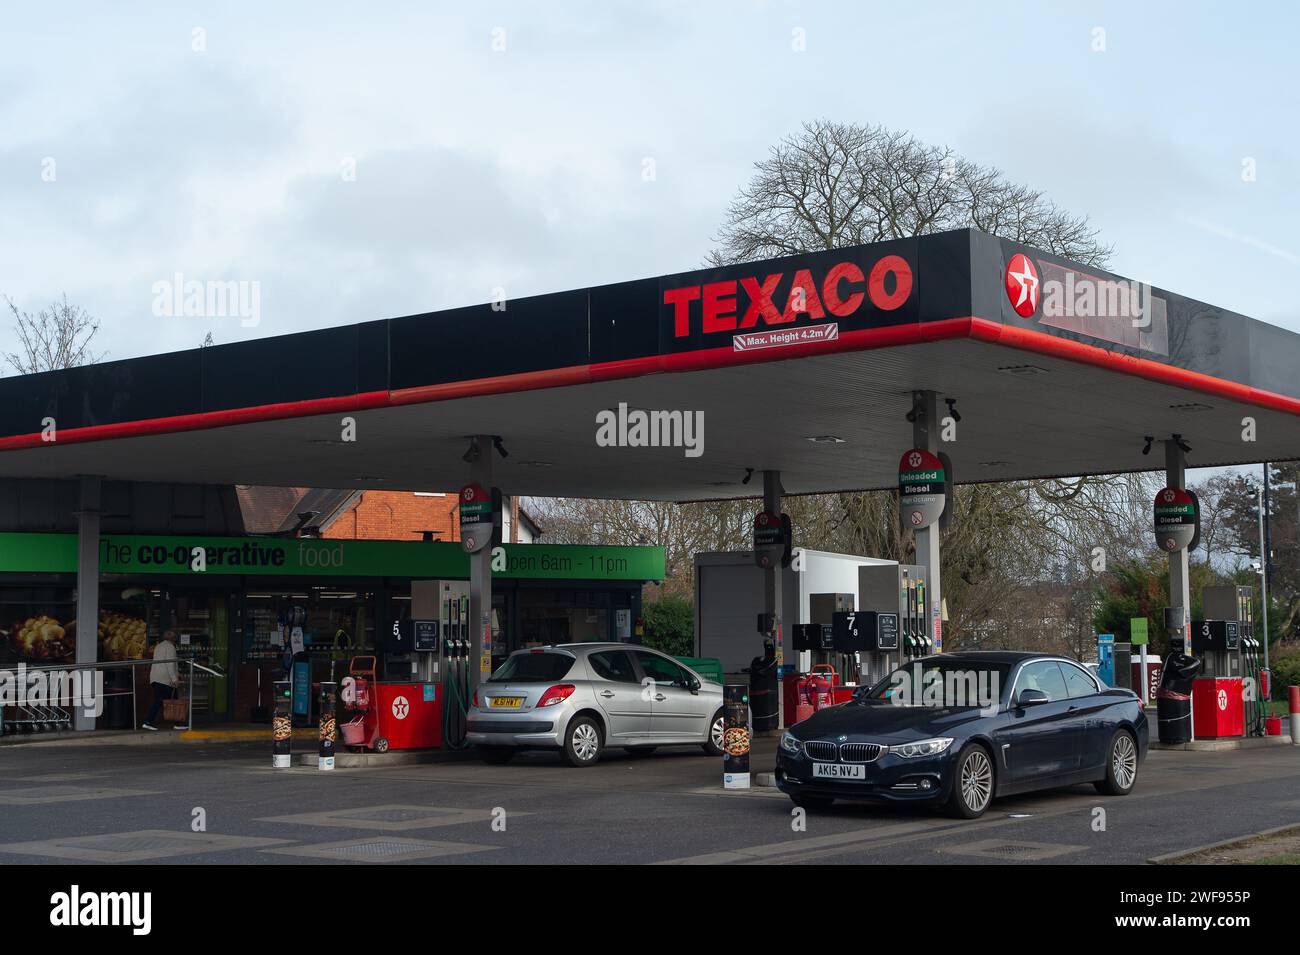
(503, 144)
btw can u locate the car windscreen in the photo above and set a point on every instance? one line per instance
(533, 668)
(953, 682)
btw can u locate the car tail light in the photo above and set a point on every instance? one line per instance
(556, 694)
(474, 701)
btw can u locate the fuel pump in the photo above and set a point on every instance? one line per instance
(1234, 606)
(441, 646)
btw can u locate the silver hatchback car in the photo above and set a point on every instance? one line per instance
(581, 697)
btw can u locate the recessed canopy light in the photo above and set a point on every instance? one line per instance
(1191, 406)
(534, 464)
(1023, 371)
(993, 464)
(825, 439)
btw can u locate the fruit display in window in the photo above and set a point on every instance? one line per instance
(121, 636)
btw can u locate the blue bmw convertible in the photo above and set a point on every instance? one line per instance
(961, 729)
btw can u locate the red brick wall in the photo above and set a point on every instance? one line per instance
(396, 515)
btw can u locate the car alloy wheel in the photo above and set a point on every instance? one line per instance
(976, 781)
(718, 731)
(586, 742)
(1123, 761)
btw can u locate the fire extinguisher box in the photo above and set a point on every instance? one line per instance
(1218, 708)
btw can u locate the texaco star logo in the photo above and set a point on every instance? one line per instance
(1223, 699)
(1170, 495)
(1022, 285)
(914, 460)
(401, 707)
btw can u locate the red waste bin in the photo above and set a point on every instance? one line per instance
(1218, 708)
(410, 715)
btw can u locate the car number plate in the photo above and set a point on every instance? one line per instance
(507, 702)
(838, 771)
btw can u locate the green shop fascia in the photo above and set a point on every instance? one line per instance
(233, 600)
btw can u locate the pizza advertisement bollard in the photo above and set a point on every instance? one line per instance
(328, 725)
(1293, 704)
(282, 726)
(735, 736)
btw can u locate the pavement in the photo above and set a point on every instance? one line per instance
(220, 801)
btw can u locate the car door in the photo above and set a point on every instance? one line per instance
(617, 687)
(1040, 742)
(1090, 715)
(676, 713)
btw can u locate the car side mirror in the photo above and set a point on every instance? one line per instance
(693, 684)
(1029, 698)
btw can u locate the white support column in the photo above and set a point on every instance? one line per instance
(772, 590)
(88, 511)
(480, 579)
(925, 435)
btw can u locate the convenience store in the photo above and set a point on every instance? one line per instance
(231, 601)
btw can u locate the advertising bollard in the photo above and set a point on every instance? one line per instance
(328, 725)
(282, 726)
(735, 736)
(1293, 701)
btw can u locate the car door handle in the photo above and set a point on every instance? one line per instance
(659, 697)
(607, 693)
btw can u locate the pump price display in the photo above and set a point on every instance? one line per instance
(769, 539)
(1174, 518)
(921, 480)
(839, 771)
(475, 517)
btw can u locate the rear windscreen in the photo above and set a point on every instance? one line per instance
(534, 668)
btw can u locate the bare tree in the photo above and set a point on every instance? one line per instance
(841, 184)
(57, 337)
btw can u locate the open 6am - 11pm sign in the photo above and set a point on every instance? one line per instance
(921, 491)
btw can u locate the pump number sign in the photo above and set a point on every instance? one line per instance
(1174, 518)
(920, 488)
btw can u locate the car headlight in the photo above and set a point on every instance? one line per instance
(922, 747)
(791, 745)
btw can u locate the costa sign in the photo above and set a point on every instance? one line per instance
(921, 488)
(1175, 518)
(781, 298)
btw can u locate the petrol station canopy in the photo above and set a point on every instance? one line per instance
(805, 364)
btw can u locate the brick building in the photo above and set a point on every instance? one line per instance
(369, 515)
